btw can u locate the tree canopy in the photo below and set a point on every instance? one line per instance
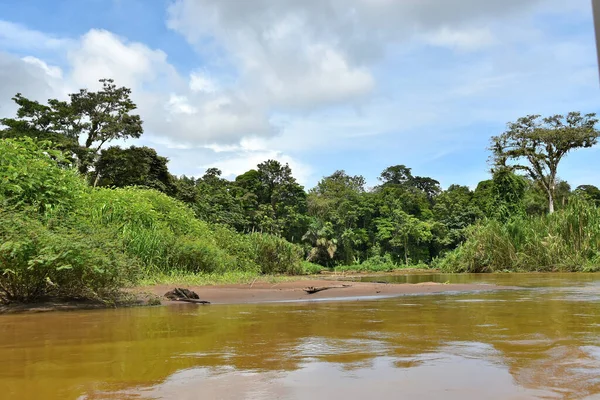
(537, 145)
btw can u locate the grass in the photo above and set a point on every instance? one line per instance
(211, 279)
(566, 241)
(379, 264)
(380, 268)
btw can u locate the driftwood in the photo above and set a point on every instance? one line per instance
(186, 295)
(313, 289)
(191, 300)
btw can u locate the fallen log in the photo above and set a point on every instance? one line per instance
(195, 301)
(313, 289)
(179, 294)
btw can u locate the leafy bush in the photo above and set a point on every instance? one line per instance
(31, 176)
(375, 263)
(309, 268)
(275, 255)
(39, 260)
(192, 255)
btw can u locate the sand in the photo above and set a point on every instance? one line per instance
(261, 292)
(293, 291)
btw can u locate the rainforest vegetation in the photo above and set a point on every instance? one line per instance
(80, 218)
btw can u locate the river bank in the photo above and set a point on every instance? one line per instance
(259, 292)
(294, 291)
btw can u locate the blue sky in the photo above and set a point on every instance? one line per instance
(357, 85)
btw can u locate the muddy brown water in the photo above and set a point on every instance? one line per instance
(539, 342)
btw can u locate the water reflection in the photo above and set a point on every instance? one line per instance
(533, 343)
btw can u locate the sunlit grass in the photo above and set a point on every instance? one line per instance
(209, 279)
(380, 268)
(568, 241)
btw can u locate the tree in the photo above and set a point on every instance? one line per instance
(338, 203)
(509, 194)
(320, 236)
(400, 177)
(82, 125)
(456, 210)
(537, 145)
(403, 231)
(589, 192)
(140, 166)
(274, 201)
(215, 201)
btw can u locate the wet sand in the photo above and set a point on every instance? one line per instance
(259, 292)
(293, 291)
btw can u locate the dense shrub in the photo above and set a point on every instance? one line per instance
(30, 175)
(38, 260)
(276, 255)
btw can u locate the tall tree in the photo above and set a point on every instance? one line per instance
(404, 232)
(337, 202)
(536, 145)
(215, 200)
(139, 166)
(82, 125)
(276, 203)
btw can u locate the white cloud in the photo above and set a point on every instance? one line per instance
(30, 78)
(101, 54)
(462, 39)
(180, 105)
(52, 71)
(201, 82)
(18, 37)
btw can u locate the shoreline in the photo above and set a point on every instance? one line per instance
(293, 291)
(259, 293)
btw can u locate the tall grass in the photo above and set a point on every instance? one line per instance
(567, 240)
(165, 235)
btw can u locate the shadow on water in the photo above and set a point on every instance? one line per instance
(539, 342)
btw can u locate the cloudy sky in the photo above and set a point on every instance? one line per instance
(357, 85)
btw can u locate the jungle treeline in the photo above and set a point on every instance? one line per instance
(80, 218)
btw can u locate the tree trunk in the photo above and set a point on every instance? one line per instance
(550, 202)
(97, 179)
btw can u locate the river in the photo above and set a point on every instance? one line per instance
(538, 342)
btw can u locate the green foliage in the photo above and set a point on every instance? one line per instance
(30, 176)
(589, 192)
(165, 235)
(281, 201)
(537, 145)
(93, 118)
(135, 166)
(309, 268)
(509, 191)
(72, 260)
(377, 263)
(404, 232)
(275, 255)
(214, 200)
(339, 212)
(568, 240)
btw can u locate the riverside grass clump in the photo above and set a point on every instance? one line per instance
(164, 235)
(567, 240)
(61, 238)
